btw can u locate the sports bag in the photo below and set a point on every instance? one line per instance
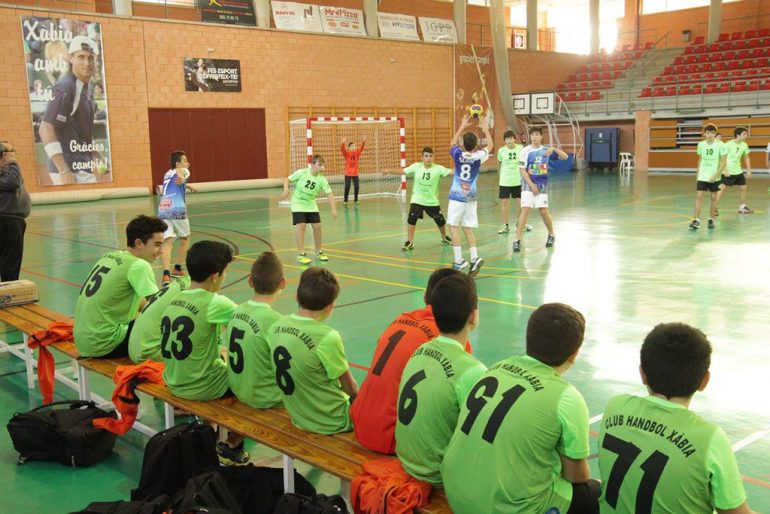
(291, 503)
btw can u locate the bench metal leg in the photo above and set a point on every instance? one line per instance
(84, 388)
(288, 474)
(345, 492)
(29, 362)
(168, 411)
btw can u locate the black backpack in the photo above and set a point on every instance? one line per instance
(158, 506)
(174, 456)
(205, 493)
(62, 431)
(317, 504)
(258, 489)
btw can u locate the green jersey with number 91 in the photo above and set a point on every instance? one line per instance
(189, 344)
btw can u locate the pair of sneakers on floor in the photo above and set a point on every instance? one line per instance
(548, 243)
(302, 257)
(408, 245)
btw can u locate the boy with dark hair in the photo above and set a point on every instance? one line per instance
(521, 442)
(251, 371)
(427, 175)
(732, 153)
(111, 295)
(374, 413)
(462, 209)
(173, 209)
(309, 361)
(309, 182)
(533, 161)
(656, 455)
(190, 329)
(436, 380)
(709, 176)
(510, 179)
(352, 155)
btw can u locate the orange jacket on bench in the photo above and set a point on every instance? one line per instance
(124, 398)
(46, 365)
(384, 487)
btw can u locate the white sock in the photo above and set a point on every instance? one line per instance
(741, 206)
(458, 253)
(474, 253)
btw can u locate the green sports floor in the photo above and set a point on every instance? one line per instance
(624, 257)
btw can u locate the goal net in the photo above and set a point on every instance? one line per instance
(384, 151)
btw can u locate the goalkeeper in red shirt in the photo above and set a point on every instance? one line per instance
(352, 154)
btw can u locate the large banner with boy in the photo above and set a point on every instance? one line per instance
(68, 99)
(475, 84)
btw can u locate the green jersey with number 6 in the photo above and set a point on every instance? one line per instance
(190, 329)
(109, 300)
(505, 454)
(144, 342)
(252, 378)
(435, 382)
(306, 188)
(510, 176)
(308, 359)
(426, 182)
(658, 456)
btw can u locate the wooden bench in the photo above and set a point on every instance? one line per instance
(340, 455)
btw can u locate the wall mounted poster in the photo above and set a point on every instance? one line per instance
(294, 16)
(228, 12)
(212, 75)
(68, 99)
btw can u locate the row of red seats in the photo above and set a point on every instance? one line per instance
(727, 45)
(575, 86)
(606, 66)
(749, 34)
(722, 66)
(603, 75)
(582, 96)
(722, 75)
(723, 56)
(707, 89)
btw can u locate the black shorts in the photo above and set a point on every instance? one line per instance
(305, 217)
(121, 350)
(708, 186)
(416, 210)
(734, 180)
(509, 192)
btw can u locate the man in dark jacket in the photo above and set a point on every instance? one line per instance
(14, 208)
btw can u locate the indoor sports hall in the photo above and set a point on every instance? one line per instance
(250, 92)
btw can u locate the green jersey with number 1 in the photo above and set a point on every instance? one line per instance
(109, 300)
(508, 158)
(308, 360)
(435, 382)
(658, 456)
(144, 342)
(190, 329)
(252, 378)
(505, 454)
(426, 183)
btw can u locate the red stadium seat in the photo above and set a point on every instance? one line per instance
(724, 37)
(750, 34)
(713, 47)
(692, 68)
(762, 62)
(689, 50)
(732, 65)
(720, 66)
(717, 56)
(753, 43)
(753, 85)
(758, 52)
(741, 43)
(710, 89)
(606, 75)
(706, 67)
(709, 76)
(690, 59)
(743, 54)
(696, 90)
(699, 40)
(670, 91)
(765, 85)
(658, 91)
(679, 60)
(724, 88)
(595, 95)
(729, 55)
(684, 90)
(739, 87)
(648, 45)
(638, 46)
(736, 36)
(646, 93)
(581, 96)
(626, 48)
(668, 70)
(764, 32)
(700, 49)
(681, 70)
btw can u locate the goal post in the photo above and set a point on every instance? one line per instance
(384, 151)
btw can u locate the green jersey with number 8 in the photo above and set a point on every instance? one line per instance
(308, 359)
(109, 300)
(658, 456)
(189, 344)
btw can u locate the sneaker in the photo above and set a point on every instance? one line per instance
(476, 265)
(550, 241)
(178, 273)
(504, 229)
(711, 223)
(408, 245)
(516, 246)
(321, 256)
(745, 210)
(528, 228)
(302, 258)
(460, 266)
(166, 279)
(695, 224)
(446, 240)
(232, 456)
(344, 204)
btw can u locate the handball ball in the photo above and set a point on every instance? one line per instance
(475, 110)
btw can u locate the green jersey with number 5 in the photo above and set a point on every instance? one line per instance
(658, 456)
(434, 384)
(189, 344)
(308, 359)
(252, 378)
(505, 454)
(109, 300)
(426, 183)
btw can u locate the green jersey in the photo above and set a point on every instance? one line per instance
(735, 152)
(190, 329)
(508, 159)
(658, 456)
(109, 300)
(306, 187)
(252, 378)
(426, 182)
(505, 454)
(435, 382)
(144, 342)
(710, 156)
(308, 360)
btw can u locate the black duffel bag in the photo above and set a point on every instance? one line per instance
(62, 431)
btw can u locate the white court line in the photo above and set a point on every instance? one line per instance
(596, 418)
(743, 443)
